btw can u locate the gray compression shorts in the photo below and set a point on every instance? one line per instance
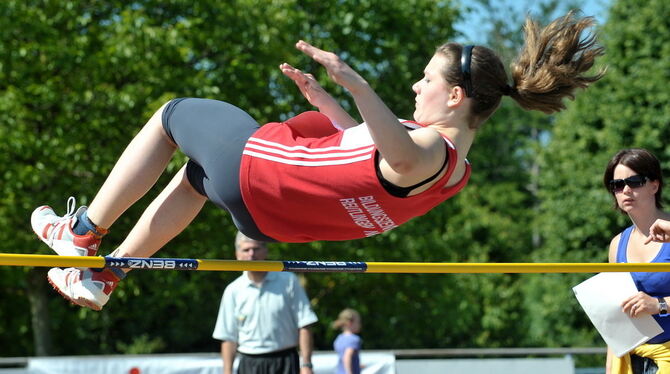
(213, 134)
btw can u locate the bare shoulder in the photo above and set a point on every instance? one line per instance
(432, 147)
(614, 246)
(433, 142)
(427, 137)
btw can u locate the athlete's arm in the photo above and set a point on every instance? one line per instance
(400, 151)
(317, 96)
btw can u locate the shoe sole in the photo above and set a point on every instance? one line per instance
(78, 301)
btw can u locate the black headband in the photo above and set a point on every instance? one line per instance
(466, 59)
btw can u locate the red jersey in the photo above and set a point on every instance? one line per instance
(303, 180)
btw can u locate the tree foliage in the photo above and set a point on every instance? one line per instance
(627, 108)
(78, 79)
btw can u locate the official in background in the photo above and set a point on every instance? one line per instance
(265, 317)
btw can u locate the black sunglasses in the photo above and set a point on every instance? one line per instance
(466, 59)
(617, 185)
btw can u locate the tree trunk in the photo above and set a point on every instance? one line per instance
(39, 311)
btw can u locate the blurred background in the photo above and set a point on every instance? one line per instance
(79, 78)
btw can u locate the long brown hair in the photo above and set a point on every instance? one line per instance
(549, 67)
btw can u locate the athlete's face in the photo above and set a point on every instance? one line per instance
(432, 92)
(251, 251)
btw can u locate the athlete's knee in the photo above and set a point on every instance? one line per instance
(158, 121)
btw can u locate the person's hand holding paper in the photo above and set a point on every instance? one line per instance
(601, 297)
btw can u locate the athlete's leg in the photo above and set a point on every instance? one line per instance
(136, 171)
(168, 215)
(165, 217)
(79, 233)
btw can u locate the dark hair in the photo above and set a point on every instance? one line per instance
(642, 162)
(548, 68)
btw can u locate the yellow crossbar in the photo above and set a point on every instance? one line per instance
(11, 259)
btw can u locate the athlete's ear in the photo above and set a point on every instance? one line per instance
(456, 96)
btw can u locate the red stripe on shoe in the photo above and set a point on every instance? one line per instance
(45, 232)
(60, 232)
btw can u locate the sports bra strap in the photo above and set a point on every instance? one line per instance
(398, 191)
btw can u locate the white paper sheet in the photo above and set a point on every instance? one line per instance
(601, 296)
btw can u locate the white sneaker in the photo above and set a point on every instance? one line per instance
(57, 232)
(86, 288)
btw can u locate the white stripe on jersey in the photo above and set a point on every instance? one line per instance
(330, 154)
(289, 161)
(303, 148)
(356, 145)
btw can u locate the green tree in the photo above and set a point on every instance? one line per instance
(78, 78)
(628, 108)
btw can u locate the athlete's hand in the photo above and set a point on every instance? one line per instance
(659, 231)
(309, 87)
(338, 70)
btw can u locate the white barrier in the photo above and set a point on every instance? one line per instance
(563, 365)
(324, 363)
(375, 362)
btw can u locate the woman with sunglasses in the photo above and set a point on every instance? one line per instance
(633, 177)
(319, 175)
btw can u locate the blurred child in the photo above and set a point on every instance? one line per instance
(348, 343)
